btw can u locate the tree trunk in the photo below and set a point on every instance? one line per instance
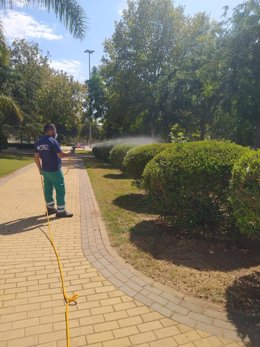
(202, 129)
(257, 142)
(152, 131)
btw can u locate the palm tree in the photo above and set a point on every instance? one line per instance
(68, 11)
(7, 104)
(8, 107)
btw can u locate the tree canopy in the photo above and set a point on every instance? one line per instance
(163, 68)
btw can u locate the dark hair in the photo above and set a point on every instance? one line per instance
(48, 127)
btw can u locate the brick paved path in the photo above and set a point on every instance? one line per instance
(117, 307)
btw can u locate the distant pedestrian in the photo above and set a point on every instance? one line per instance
(47, 157)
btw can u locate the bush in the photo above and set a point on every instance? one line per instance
(102, 150)
(137, 158)
(188, 183)
(118, 154)
(245, 193)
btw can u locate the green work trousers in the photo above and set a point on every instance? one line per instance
(54, 179)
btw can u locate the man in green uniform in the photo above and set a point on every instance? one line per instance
(47, 157)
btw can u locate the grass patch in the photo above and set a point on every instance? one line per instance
(203, 268)
(82, 151)
(11, 163)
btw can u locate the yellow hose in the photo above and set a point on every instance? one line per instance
(67, 299)
(68, 168)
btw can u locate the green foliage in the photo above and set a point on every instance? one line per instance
(177, 134)
(162, 68)
(137, 158)
(60, 100)
(102, 150)
(245, 193)
(188, 184)
(42, 94)
(30, 70)
(145, 43)
(96, 95)
(117, 155)
(241, 52)
(4, 51)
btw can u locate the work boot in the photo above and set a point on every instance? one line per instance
(51, 210)
(64, 214)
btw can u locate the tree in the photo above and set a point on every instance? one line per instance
(145, 43)
(96, 93)
(29, 71)
(242, 50)
(60, 100)
(68, 11)
(4, 52)
(9, 110)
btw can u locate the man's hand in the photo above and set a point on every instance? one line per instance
(65, 154)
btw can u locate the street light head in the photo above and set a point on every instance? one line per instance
(89, 51)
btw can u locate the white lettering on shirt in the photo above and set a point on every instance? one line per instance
(43, 148)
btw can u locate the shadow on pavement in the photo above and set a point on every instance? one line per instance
(23, 224)
(243, 307)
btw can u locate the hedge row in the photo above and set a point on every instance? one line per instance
(117, 155)
(245, 193)
(138, 157)
(195, 183)
(188, 183)
(128, 157)
(102, 150)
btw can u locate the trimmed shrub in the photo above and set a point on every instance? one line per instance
(245, 193)
(102, 150)
(137, 158)
(188, 183)
(118, 154)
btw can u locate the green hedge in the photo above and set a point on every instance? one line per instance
(118, 154)
(138, 157)
(245, 193)
(189, 183)
(102, 150)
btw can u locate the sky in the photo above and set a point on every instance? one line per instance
(66, 53)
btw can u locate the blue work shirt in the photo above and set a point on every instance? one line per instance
(48, 148)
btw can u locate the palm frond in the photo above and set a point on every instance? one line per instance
(68, 11)
(7, 104)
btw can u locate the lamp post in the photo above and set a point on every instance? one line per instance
(89, 51)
